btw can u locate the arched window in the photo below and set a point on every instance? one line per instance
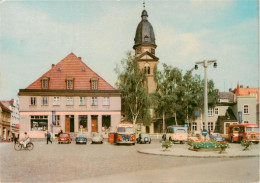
(147, 69)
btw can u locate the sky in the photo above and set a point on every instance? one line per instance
(36, 34)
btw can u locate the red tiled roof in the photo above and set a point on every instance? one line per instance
(71, 66)
(239, 91)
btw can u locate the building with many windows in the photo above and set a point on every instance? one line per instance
(15, 116)
(69, 97)
(5, 122)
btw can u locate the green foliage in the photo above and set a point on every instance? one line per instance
(246, 143)
(207, 144)
(132, 83)
(179, 94)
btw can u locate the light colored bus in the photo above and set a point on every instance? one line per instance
(177, 134)
(125, 134)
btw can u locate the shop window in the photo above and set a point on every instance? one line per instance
(83, 122)
(33, 101)
(39, 123)
(106, 121)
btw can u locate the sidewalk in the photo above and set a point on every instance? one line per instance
(181, 150)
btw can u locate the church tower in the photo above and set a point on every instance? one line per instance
(145, 49)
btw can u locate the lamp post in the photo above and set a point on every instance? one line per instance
(205, 64)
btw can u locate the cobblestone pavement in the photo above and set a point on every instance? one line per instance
(111, 163)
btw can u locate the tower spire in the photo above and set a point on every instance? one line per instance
(144, 4)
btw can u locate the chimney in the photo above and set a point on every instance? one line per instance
(52, 65)
(79, 58)
(241, 86)
(230, 90)
(247, 86)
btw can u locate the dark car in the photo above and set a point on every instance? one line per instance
(144, 138)
(81, 139)
(64, 138)
(216, 137)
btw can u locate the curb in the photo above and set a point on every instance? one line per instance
(202, 156)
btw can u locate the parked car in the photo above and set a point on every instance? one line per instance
(143, 138)
(64, 138)
(81, 139)
(216, 136)
(97, 138)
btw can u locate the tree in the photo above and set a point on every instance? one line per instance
(164, 98)
(132, 83)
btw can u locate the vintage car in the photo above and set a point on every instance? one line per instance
(64, 138)
(97, 138)
(125, 134)
(245, 131)
(216, 137)
(143, 138)
(81, 139)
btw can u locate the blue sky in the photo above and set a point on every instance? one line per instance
(36, 34)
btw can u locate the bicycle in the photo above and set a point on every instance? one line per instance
(18, 146)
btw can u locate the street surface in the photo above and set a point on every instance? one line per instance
(110, 163)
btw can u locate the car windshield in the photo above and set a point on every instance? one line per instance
(81, 135)
(96, 135)
(64, 135)
(125, 129)
(144, 135)
(252, 129)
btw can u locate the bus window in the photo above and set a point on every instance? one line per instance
(180, 131)
(250, 129)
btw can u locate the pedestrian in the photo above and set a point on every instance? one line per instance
(48, 137)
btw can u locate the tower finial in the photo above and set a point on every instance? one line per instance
(144, 4)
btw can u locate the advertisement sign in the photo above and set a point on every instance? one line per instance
(240, 117)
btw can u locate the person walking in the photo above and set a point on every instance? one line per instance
(48, 137)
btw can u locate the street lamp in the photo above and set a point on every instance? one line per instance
(205, 64)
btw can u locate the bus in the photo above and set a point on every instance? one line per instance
(177, 134)
(125, 134)
(245, 131)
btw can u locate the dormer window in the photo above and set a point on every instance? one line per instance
(94, 83)
(45, 83)
(70, 83)
(146, 38)
(153, 51)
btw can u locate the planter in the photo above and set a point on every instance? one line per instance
(222, 150)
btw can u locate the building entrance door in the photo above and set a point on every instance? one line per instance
(94, 124)
(227, 128)
(67, 124)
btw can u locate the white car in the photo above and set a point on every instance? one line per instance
(97, 138)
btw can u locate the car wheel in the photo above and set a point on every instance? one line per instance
(58, 142)
(101, 142)
(150, 142)
(133, 143)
